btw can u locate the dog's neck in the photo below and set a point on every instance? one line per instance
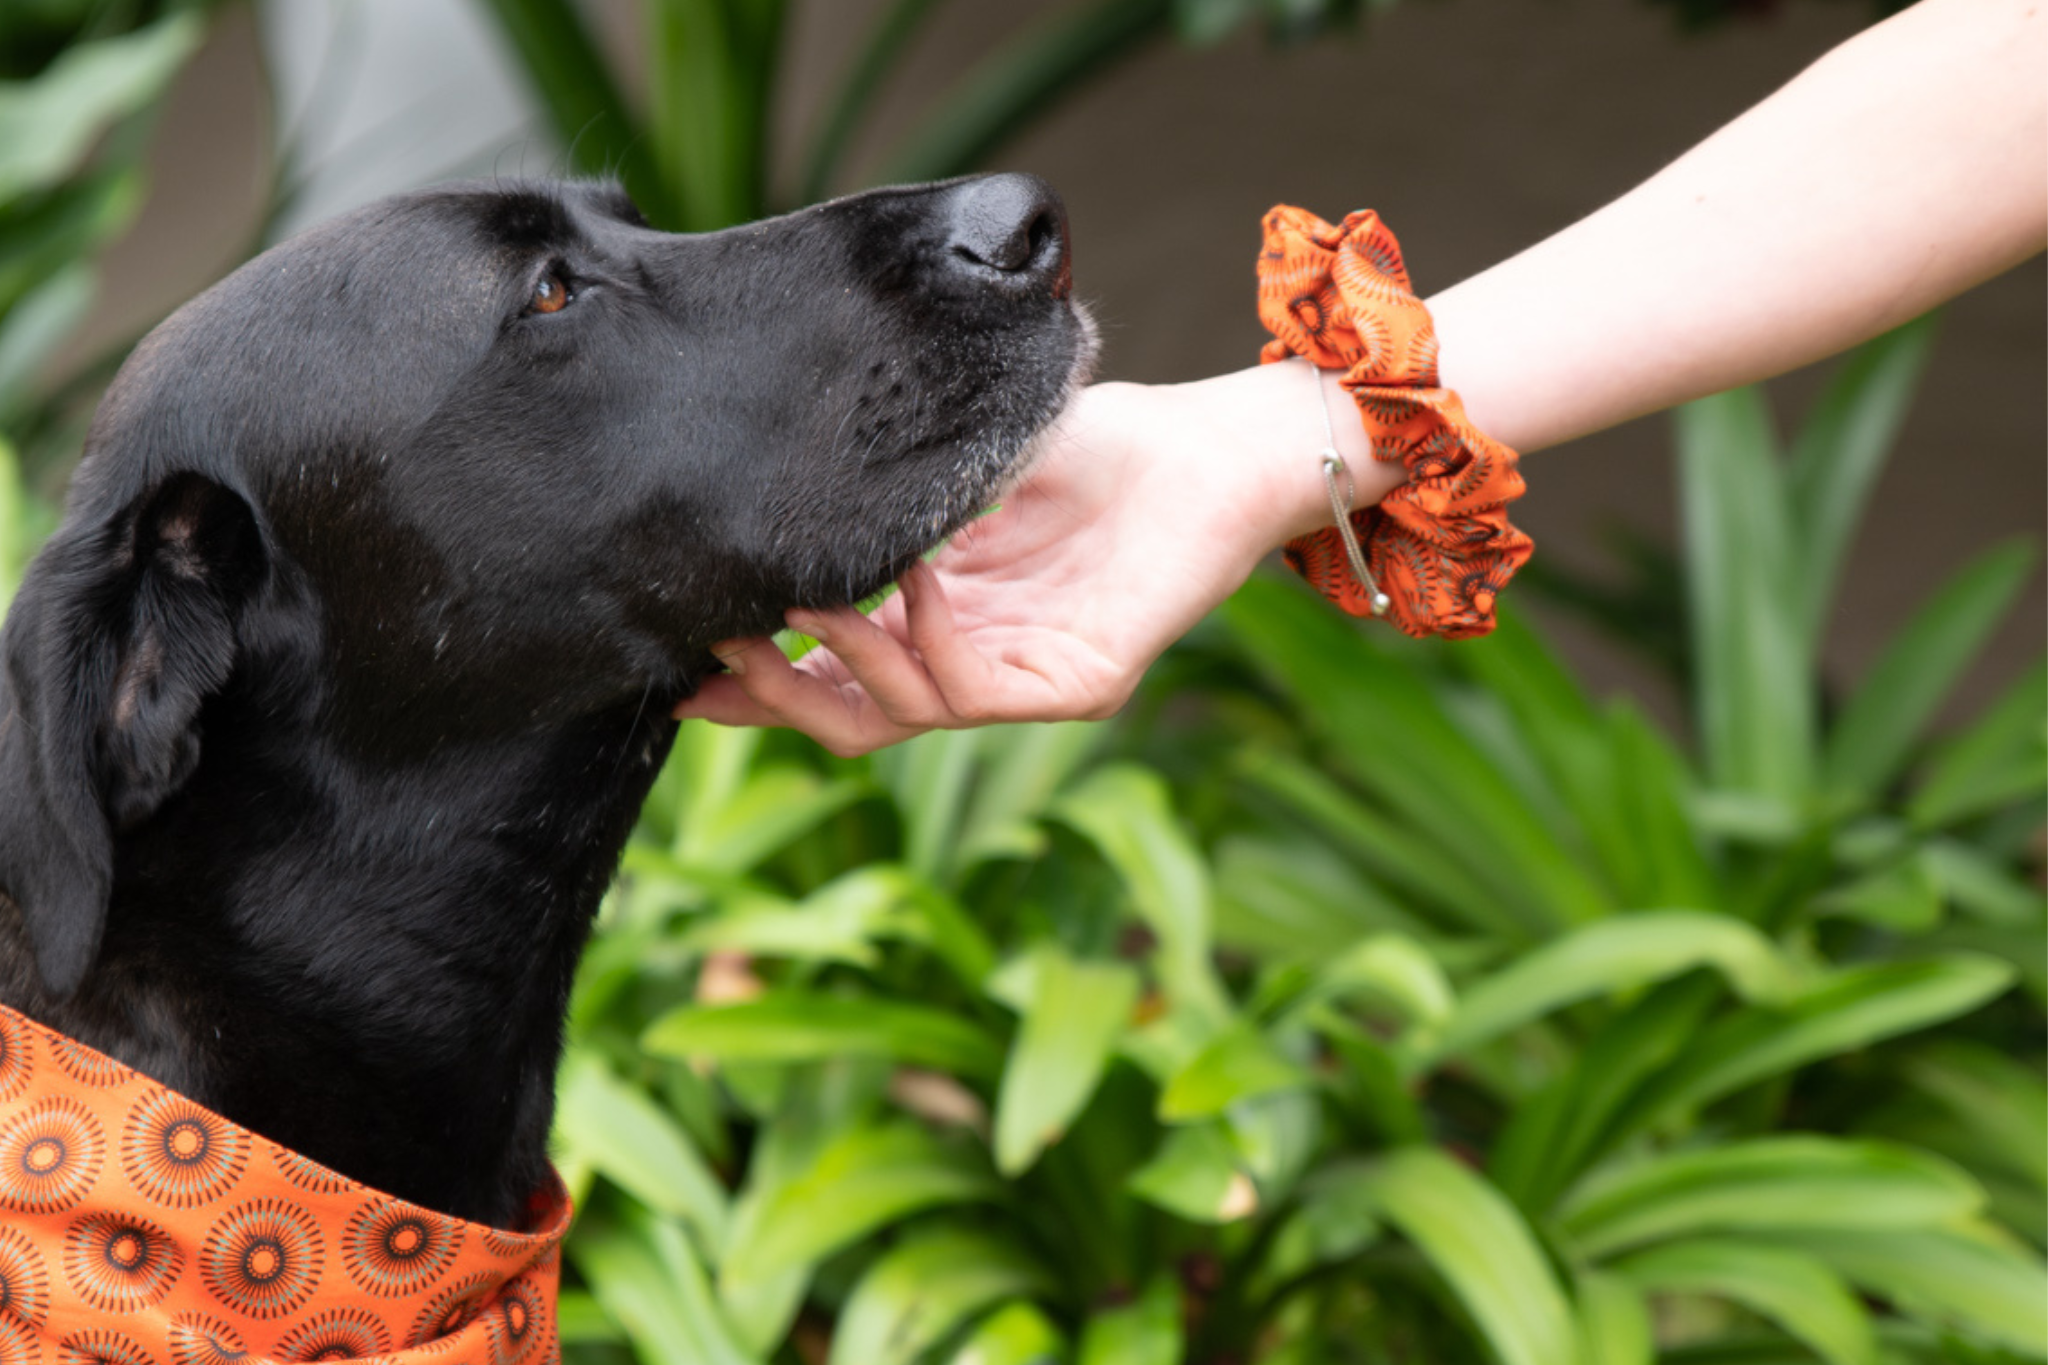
(368, 965)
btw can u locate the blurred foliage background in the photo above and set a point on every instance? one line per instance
(1349, 1000)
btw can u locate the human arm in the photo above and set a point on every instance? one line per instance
(1899, 170)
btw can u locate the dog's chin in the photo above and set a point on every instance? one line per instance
(1024, 463)
(981, 472)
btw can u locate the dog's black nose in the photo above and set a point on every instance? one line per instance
(1012, 229)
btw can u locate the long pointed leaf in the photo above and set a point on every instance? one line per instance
(1854, 1008)
(1071, 1021)
(1126, 813)
(1999, 759)
(1796, 1291)
(575, 86)
(1839, 453)
(1613, 956)
(794, 1027)
(2000, 1292)
(643, 1271)
(1778, 1182)
(1755, 689)
(1877, 729)
(885, 46)
(997, 96)
(617, 1130)
(1385, 727)
(1483, 1249)
(925, 1287)
(861, 1181)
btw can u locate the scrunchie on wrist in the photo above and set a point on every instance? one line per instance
(1440, 545)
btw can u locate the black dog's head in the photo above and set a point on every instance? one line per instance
(478, 461)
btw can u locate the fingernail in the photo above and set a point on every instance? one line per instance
(733, 654)
(907, 585)
(804, 623)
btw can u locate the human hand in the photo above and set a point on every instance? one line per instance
(1147, 507)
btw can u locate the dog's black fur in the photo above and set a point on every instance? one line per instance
(327, 711)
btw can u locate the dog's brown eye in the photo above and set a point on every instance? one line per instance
(549, 296)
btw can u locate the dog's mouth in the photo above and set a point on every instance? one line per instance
(1026, 460)
(989, 463)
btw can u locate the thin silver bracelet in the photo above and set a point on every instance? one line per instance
(1340, 506)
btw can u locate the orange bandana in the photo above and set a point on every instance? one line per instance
(1440, 545)
(138, 1228)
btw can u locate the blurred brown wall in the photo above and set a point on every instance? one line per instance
(1474, 126)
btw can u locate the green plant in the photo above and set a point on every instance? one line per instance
(698, 157)
(79, 83)
(1356, 1000)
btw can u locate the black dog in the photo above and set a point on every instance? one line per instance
(329, 708)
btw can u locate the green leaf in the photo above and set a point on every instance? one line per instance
(772, 807)
(555, 53)
(1999, 759)
(580, 1320)
(1755, 687)
(1072, 1019)
(1332, 1221)
(1383, 724)
(1905, 896)
(1998, 1291)
(930, 776)
(1484, 1251)
(1297, 899)
(1015, 1334)
(1147, 1332)
(859, 1182)
(2004, 1102)
(1125, 811)
(31, 331)
(1780, 1182)
(1417, 867)
(1024, 767)
(1614, 1322)
(1653, 790)
(1613, 956)
(1196, 1174)
(925, 1287)
(641, 1269)
(1850, 1009)
(1871, 741)
(1795, 1291)
(618, 1131)
(1240, 1064)
(1981, 886)
(711, 63)
(999, 94)
(1839, 453)
(1550, 1137)
(47, 125)
(1370, 1082)
(795, 1027)
(839, 922)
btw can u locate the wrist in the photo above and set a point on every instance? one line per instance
(1281, 418)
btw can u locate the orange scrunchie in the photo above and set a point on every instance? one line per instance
(1440, 545)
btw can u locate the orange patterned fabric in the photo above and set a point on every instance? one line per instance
(137, 1228)
(1440, 545)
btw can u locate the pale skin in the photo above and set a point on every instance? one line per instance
(1899, 170)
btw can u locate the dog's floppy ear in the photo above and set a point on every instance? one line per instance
(121, 630)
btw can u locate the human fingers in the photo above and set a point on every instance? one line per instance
(843, 718)
(972, 689)
(879, 663)
(721, 700)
